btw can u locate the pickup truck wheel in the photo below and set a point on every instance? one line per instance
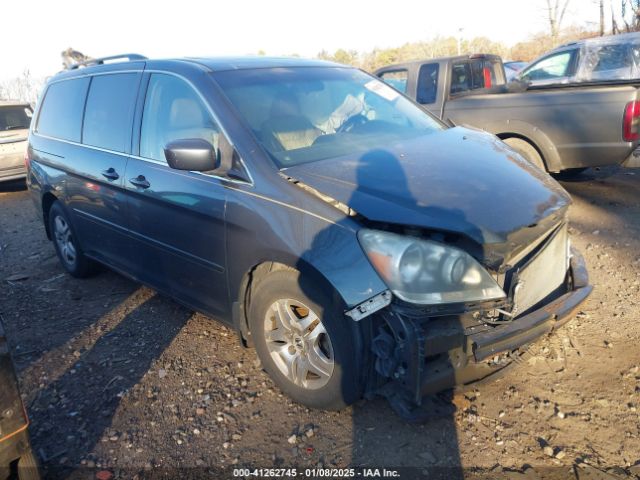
(570, 173)
(303, 341)
(70, 254)
(527, 150)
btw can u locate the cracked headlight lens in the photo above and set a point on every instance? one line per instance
(426, 272)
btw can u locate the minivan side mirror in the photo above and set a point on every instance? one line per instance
(194, 154)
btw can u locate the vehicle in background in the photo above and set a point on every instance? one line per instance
(559, 128)
(17, 459)
(357, 242)
(512, 68)
(15, 118)
(614, 59)
(464, 74)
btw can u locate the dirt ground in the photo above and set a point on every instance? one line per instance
(117, 378)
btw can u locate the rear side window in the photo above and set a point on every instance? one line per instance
(493, 73)
(110, 104)
(173, 111)
(475, 74)
(15, 117)
(613, 57)
(397, 79)
(556, 66)
(427, 83)
(608, 62)
(461, 78)
(62, 107)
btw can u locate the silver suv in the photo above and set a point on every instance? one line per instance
(15, 118)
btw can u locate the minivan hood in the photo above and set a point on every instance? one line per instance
(458, 180)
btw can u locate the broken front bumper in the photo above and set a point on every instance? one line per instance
(435, 354)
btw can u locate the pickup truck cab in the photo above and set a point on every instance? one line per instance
(559, 128)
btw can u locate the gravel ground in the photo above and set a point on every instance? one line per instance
(122, 382)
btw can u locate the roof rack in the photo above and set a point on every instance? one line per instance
(101, 61)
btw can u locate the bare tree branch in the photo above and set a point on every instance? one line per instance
(556, 10)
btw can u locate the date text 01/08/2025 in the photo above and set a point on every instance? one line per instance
(315, 473)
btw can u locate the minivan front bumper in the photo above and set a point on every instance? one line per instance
(434, 355)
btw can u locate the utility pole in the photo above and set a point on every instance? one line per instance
(460, 41)
(601, 18)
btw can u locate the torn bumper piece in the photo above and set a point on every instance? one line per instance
(529, 327)
(436, 354)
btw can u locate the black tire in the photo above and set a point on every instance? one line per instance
(28, 467)
(527, 150)
(79, 265)
(570, 173)
(343, 386)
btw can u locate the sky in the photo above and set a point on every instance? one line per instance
(35, 32)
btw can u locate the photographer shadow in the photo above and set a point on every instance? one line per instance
(381, 437)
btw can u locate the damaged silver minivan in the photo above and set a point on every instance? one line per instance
(360, 245)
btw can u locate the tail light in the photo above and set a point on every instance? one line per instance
(487, 77)
(631, 122)
(27, 159)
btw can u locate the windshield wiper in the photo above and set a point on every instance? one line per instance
(16, 127)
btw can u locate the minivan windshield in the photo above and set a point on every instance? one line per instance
(305, 114)
(15, 117)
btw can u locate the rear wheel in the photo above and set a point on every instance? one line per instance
(304, 341)
(527, 150)
(65, 241)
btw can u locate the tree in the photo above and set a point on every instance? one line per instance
(555, 14)
(24, 88)
(614, 24)
(630, 10)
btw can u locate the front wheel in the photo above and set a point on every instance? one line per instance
(304, 341)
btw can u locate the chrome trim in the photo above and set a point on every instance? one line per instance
(136, 157)
(224, 179)
(51, 82)
(78, 144)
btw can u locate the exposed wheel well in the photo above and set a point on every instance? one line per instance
(504, 136)
(48, 199)
(254, 275)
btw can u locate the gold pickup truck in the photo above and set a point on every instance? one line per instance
(15, 118)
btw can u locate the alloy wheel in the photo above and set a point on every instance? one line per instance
(299, 344)
(64, 240)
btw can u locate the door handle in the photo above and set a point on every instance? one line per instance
(111, 174)
(140, 181)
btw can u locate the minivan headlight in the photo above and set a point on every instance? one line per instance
(426, 272)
